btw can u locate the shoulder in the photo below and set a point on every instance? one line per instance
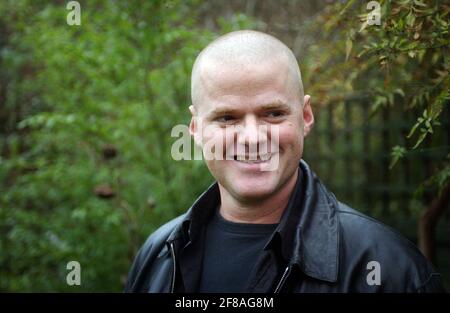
(151, 248)
(160, 235)
(369, 231)
(366, 241)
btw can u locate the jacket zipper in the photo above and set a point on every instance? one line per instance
(286, 273)
(172, 251)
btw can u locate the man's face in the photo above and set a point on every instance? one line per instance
(254, 113)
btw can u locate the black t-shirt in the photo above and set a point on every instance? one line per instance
(230, 253)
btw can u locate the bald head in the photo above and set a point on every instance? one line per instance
(239, 51)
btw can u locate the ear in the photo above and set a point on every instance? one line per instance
(308, 117)
(193, 127)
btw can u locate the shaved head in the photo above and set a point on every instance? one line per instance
(243, 51)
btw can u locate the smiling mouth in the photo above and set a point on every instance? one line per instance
(253, 159)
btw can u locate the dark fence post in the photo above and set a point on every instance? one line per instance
(349, 158)
(367, 155)
(386, 147)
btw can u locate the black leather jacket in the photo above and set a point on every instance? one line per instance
(320, 245)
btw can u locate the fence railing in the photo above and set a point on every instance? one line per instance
(350, 150)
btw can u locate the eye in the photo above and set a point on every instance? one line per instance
(274, 114)
(225, 118)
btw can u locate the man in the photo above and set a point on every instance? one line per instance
(263, 229)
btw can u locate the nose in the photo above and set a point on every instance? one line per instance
(248, 135)
(251, 135)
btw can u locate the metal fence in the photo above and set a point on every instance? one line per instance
(350, 150)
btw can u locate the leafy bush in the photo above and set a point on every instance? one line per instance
(87, 111)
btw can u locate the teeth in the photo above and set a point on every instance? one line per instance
(241, 157)
(258, 159)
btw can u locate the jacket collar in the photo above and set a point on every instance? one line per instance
(307, 234)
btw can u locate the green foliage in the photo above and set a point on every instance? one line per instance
(86, 114)
(86, 111)
(397, 153)
(403, 63)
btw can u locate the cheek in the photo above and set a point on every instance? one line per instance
(228, 139)
(291, 136)
(211, 145)
(213, 136)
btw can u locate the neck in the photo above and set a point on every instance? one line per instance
(262, 211)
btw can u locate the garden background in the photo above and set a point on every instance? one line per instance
(86, 113)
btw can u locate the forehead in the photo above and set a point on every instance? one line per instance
(265, 82)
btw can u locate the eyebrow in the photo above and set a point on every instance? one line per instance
(275, 105)
(278, 105)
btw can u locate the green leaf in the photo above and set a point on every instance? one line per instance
(413, 129)
(400, 92)
(419, 3)
(421, 138)
(397, 153)
(348, 48)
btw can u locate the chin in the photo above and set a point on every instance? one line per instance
(250, 190)
(246, 184)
